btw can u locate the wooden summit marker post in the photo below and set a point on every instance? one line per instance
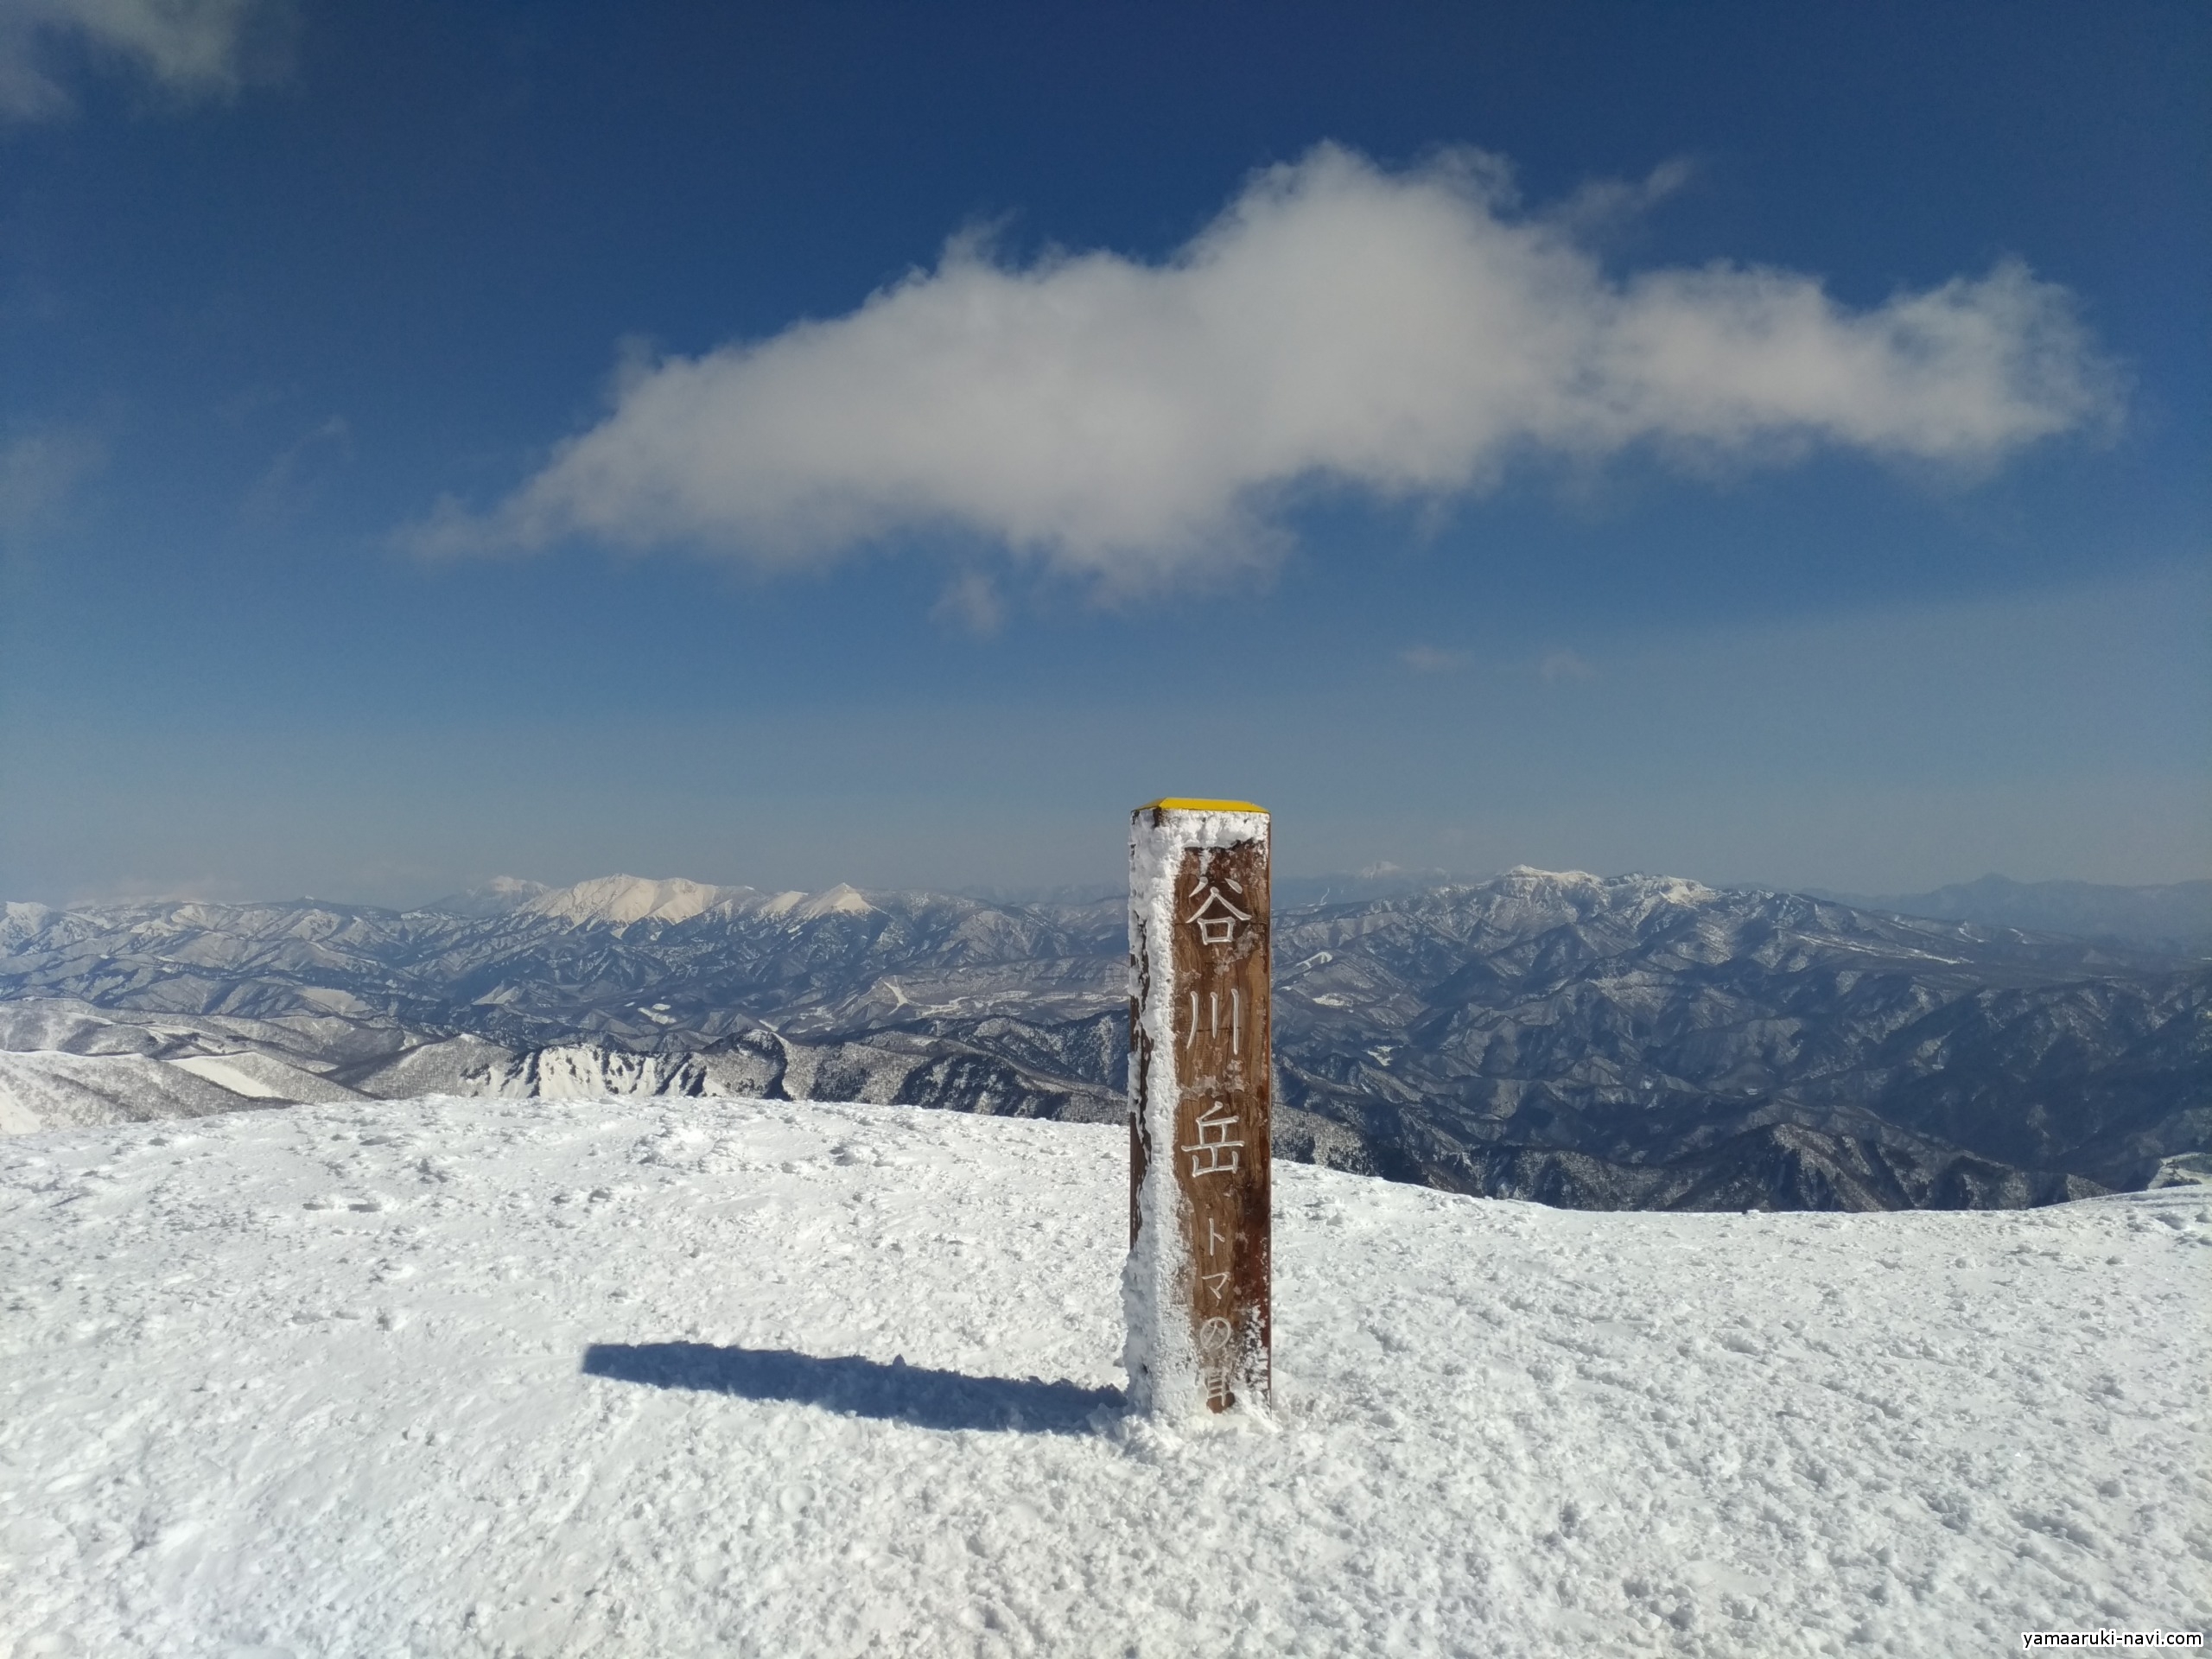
(1195, 1288)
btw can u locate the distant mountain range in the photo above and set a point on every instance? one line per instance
(2177, 916)
(1606, 1043)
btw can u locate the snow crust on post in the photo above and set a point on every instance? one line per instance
(1161, 1351)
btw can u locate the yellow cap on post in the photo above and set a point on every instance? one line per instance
(1184, 803)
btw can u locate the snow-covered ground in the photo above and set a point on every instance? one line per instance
(651, 1376)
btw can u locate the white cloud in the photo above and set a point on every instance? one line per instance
(1564, 665)
(1408, 333)
(190, 48)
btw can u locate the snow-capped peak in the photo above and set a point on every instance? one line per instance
(840, 900)
(619, 900)
(1673, 889)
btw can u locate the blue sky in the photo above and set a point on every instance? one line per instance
(786, 445)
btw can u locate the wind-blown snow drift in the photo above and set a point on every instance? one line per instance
(1407, 333)
(554, 1377)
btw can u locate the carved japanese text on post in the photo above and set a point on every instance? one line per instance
(1220, 1025)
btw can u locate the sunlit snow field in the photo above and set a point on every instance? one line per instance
(545, 1377)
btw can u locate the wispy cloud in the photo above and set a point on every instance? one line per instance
(971, 602)
(1559, 665)
(1428, 660)
(40, 470)
(188, 49)
(288, 484)
(1409, 333)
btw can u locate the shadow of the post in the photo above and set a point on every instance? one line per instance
(862, 1388)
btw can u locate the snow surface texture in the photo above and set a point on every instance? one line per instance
(488, 1377)
(1160, 1354)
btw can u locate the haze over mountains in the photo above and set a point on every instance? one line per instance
(1624, 1042)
